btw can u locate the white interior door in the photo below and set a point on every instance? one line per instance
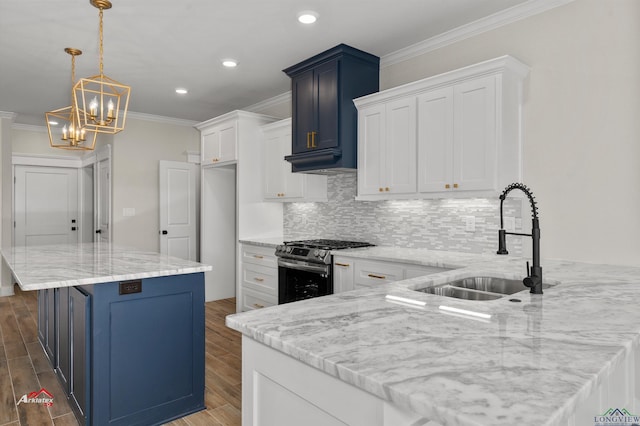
(103, 201)
(45, 205)
(178, 209)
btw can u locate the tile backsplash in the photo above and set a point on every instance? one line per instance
(433, 224)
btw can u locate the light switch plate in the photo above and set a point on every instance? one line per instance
(470, 223)
(509, 223)
(128, 211)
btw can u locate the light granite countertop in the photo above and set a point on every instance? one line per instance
(531, 362)
(66, 265)
(263, 241)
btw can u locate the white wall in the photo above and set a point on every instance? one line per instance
(6, 283)
(136, 152)
(581, 118)
(35, 140)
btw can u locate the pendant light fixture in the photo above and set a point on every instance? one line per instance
(101, 102)
(63, 125)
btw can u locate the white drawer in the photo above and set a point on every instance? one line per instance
(372, 273)
(260, 278)
(259, 255)
(256, 300)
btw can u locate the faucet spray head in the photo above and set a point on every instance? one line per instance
(502, 242)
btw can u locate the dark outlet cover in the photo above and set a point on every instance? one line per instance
(130, 287)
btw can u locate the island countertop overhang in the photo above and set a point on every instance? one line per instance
(66, 265)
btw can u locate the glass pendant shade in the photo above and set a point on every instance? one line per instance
(101, 102)
(65, 130)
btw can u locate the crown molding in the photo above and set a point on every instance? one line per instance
(161, 119)
(491, 22)
(284, 98)
(10, 115)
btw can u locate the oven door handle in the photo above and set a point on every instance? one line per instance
(308, 268)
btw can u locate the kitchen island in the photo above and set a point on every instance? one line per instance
(123, 329)
(567, 357)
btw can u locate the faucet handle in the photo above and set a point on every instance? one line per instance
(528, 269)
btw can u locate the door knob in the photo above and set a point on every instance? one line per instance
(98, 231)
(164, 232)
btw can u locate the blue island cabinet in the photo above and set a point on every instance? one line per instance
(131, 352)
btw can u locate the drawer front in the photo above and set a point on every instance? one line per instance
(259, 255)
(255, 300)
(373, 273)
(414, 271)
(260, 278)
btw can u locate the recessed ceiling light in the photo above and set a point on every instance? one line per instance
(229, 63)
(307, 17)
(181, 91)
(53, 123)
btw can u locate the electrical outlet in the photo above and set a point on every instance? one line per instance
(509, 223)
(470, 223)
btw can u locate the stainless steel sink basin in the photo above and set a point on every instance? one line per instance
(478, 288)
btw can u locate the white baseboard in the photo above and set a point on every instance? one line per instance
(6, 291)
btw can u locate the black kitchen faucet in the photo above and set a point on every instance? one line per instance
(534, 274)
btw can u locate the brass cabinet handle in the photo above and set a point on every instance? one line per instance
(313, 139)
(259, 279)
(258, 306)
(386, 189)
(308, 140)
(257, 256)
(380, 189)
(455, 185)
(214, 160)
(342, 264)
(447, 186)
(380, 277)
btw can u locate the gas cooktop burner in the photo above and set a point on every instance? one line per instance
(327, 244)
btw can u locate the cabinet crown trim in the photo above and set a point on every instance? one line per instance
(233, 115)
(503, 64)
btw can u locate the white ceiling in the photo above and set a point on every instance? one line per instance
(156, 46)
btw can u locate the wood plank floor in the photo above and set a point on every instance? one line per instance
(24, 368)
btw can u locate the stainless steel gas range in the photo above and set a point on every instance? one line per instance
(305, 268)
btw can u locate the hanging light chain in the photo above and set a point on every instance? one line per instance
(101, 48)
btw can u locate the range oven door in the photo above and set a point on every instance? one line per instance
(299, 280)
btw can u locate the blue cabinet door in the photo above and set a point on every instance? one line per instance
(303, 110)
(327, 118)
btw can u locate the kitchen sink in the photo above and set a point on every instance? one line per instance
(478, 288)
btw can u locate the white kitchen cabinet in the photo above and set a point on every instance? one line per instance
(280, 390)
(343, 270)
(457, 137)
(280, 184)
(350, 273)
(219, 143)
(457, 134)
(258, 277)
(369, 273)
(386, 149)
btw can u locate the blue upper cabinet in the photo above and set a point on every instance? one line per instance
(324, 118)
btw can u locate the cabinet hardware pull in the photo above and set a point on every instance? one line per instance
(455, 185)
(257, 305)
(447, 186)
(387, 189)
(259, 279)
(381, 277)
(380, 189)
(308, 140)
(342, 264)
(257, 256)
(313, 139)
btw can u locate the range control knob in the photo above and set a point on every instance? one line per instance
(316, 253)
(289, 249)
(322, 253)
(279, 248)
